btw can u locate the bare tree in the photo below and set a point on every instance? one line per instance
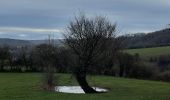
(23, 57)
(4, 55)
(90, 39)
(46, 58)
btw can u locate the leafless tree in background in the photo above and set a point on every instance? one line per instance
(90, 39)
(46, 56)
(4, 55)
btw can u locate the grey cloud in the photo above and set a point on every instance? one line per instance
(130, 15)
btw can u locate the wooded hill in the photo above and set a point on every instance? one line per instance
(138, 40)
(144, 40)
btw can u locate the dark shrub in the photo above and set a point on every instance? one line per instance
(164, 76)
(125, 63)
(142, 71)
(164, 60)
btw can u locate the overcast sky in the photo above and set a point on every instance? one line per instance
(35, 19)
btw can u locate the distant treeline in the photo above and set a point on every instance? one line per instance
(38, 57)
(26, 59)
(143, 40)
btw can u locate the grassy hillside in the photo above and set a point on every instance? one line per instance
(24, 86)
(150, 52)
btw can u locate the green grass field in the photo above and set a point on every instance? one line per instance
(25, 86)
(150, 52)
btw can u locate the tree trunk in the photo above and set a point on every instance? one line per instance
(121, 72)
(2, 66)
(81, 79)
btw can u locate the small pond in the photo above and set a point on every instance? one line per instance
(76, 89)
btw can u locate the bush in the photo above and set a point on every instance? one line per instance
(49, 81)
(163, 76)
(164, 60)
(142, 71)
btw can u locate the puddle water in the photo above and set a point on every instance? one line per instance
(76, 89)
